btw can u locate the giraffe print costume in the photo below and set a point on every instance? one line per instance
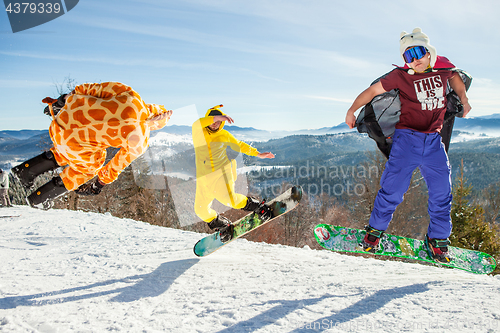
(97, 116)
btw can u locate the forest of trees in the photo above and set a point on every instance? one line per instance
(475, 214)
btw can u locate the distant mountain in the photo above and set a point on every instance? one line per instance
(483, 145)
(475, 140)
(481, 161)
(174, 129)
(21, 135)
(243, 133)
(489, 125)
(491, 116)
(256, 135)
(346, 148)
(17, 146)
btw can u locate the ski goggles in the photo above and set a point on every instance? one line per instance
(416, 52)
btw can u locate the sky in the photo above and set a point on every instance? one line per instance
(274, 65)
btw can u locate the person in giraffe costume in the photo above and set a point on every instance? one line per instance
(85, 122)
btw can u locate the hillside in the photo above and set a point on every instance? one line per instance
(329, 148)
(18, 145)
(481, 160)
(171, 151)
(73, 271)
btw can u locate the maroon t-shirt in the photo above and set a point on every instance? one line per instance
(423, 98)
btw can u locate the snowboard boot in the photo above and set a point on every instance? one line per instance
(438, 249)
(42, 198)
(28, 171)
(259, 207)
(223, 226)
(92, 187)
(372, 239)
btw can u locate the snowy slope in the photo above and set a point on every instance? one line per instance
(65, 271)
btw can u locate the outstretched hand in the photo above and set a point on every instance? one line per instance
(265, 155)
(162, 116)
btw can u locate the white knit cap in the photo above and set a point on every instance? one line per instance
(417, 38)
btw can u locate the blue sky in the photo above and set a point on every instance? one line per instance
(291, 64)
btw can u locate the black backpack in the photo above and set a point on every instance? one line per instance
(379, 117)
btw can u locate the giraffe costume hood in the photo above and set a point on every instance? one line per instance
(97, 116)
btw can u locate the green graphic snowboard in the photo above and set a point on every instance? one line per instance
(342, 239)
(280, 205)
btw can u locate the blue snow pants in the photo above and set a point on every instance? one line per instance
(412, 149)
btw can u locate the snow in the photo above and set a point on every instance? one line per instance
(67, 271)
(259, 169)
(467, 136)
(169, 139)
(180, 175)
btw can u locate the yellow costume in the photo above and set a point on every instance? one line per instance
(215, 173)
(95, 117)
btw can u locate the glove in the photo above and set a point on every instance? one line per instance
(92, 187)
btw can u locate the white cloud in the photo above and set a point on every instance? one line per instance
(23, 84)
(483, 97)
(124, 61)
(296, 54)
(333, 99)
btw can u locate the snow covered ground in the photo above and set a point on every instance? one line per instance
(65, 271)
(169, 139)
(467, 136)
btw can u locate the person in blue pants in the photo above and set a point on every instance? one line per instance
(422, 85)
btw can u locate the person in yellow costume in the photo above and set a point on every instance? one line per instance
(216, 173)
(93, 117)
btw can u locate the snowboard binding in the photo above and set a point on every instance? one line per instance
(438, 249)
(223, 226)
(263, 211)
(43, 197)
(28, 171)
(371, 242)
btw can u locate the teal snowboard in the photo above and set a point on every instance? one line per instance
(342, 239)
(280, 205)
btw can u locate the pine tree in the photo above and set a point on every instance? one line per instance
(471, 230)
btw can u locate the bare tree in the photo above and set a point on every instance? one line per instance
(66, 86)
(490, 200)
(410, 218)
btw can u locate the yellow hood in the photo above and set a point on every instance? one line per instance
(210, 146)
(217, 108)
